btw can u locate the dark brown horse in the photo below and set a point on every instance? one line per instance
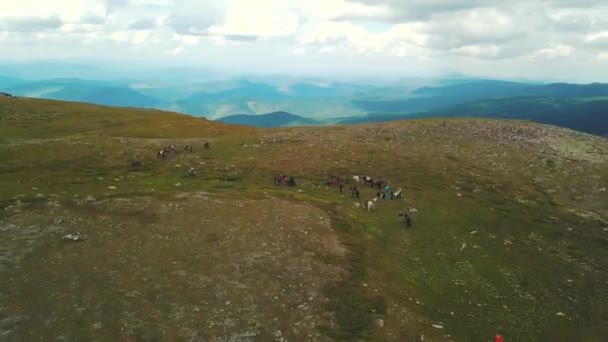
(333, 180)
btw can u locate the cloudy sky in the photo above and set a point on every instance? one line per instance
(550, 39)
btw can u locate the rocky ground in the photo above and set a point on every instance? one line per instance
(200, 265)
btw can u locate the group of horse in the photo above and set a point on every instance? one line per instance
(284, 180)
(167, 150)
(334, 180)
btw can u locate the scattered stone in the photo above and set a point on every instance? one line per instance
(570, 280)
(437, 326)
(473, 232)
(380, 322)
(112, 187)
(561, 314)
(459, 194)
(89, 199)
(178, 184)
(97, 325)
(72, 237)
(464, 245)
(178, 165)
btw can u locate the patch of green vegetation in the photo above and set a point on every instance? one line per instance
(505, 235)
(353, 307)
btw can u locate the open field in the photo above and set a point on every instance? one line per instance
(510, 234)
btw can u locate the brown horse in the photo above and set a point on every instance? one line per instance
(333, 180)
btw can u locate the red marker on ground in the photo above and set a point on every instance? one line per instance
(498, 338)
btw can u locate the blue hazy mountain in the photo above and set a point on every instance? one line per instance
(276, 119)
(583, 113)
(97, 92)
(430, 98)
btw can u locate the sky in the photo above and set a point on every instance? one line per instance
(563, 40)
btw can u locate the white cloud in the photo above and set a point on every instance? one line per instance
(175, 51)
(346, 33)
(119, 37)
(140, 37)
(481, 51)
(603, 56)
(553, 51)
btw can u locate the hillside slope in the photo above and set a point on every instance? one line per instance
(509, 229)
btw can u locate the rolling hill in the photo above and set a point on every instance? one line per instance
(585, 114)
(95, 92)
(100, 239)
(275, 119)
(431, 98)
(576, 106)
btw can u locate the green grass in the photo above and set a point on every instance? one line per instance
(505, 256)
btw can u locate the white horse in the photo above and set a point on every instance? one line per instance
(397, 194)
(370, 205)
(357, 179)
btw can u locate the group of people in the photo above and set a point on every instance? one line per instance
(387, 194)
(173, 149)
(282, 179)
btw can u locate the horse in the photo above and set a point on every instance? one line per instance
(377, 183)
(161, 154)
(357, 179)
(206, 145)
(335, 181)
(188, 148)
(290, 181)
(370, 205)
(397, 194)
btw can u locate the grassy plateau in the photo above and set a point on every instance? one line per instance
(509, 235)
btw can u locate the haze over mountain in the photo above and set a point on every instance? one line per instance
(318, 170)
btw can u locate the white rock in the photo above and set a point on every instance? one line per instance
(561, 314)
(380, 322)
(437, 326)
(464, 245)
(71, 237)
(112, 187)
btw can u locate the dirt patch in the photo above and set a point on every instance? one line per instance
(206, 267)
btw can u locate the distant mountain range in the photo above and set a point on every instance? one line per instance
(276, 119)
(275, 101)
